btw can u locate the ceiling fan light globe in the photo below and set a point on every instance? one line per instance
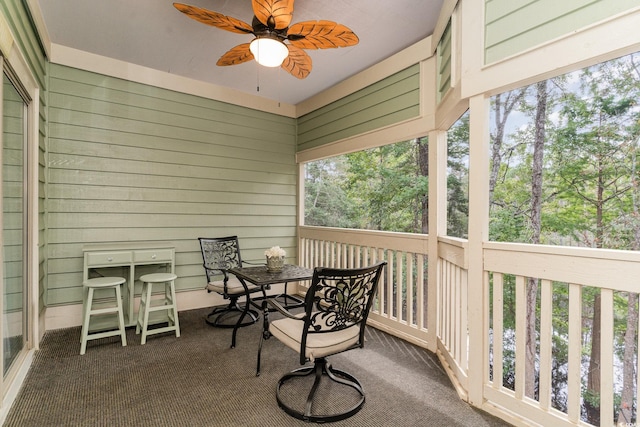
(268, 52)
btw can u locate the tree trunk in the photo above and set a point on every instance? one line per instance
(592, 403)
(536, 209)
(501, 108)
(496, 147)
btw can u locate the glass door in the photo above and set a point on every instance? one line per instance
(14, 196)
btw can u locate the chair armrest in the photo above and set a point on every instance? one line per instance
(280, 309)
(223, 273)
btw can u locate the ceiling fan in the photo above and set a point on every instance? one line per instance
(270, 26)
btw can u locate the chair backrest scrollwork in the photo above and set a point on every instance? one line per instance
(219, 255)
(340, 298)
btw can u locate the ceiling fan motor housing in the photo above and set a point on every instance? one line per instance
(269, 31)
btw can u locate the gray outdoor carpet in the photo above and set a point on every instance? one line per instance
(197, 380)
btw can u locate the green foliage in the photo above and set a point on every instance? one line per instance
(326, 204)
(384, 186)
(376, 189)
(458, 178)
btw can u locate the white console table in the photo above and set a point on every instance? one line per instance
(128, 255)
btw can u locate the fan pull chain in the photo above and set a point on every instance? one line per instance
(279, 93)
(258, 78)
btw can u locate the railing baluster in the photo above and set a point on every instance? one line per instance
(381, 286)
(447, 306)
(409, 269)
(521, 335)
(390, 288)
(331, 259)
(420, 294)
(574, 385)
(546, 333)
(442, 295)
(498, 319)
(345, 255)
(606, 358)
(455, 313)
(638, 371)
(463, 358)
(316, 246)
(398, 285)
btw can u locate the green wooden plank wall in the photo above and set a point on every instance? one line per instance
(443, 53)
(381, 104)
(12, 196)
(17, 16)
(513, 26)
(131, 162)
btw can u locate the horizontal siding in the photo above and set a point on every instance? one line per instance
(444, 53)
(12, 197)
(131, 162)
(384, 103)
(513, 26)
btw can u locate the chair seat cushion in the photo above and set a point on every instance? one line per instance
(289, 331)
(234, 287)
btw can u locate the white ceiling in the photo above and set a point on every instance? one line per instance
(152, 33)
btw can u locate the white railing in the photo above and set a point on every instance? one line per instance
(452, 309)
(572, 270)
(401, 303)
(561, 272)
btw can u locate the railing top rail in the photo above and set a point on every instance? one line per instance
(406, 242)
(573, 251)
(607, 269)
(454, 241)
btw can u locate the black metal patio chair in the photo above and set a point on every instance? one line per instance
(337, 305)
(219, 255)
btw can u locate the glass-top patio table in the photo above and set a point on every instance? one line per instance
(260, 276)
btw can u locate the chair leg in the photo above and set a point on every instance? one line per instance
(320, 368)
(147, 290)
(219, 313)
(347, 379)
(123, 333)
(170, 297)
(85, 322)
(85, 296)
(312, 393)
(289, 301)
(239, 323)
(141, 308)
(265, 333)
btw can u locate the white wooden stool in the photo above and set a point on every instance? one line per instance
(167, 303)
(89, 287)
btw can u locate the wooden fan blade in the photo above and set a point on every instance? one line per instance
(214, 19)
(298, 63)
(321, 35)
(275, 14)
(236, 55)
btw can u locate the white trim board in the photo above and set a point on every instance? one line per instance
(74, 58)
